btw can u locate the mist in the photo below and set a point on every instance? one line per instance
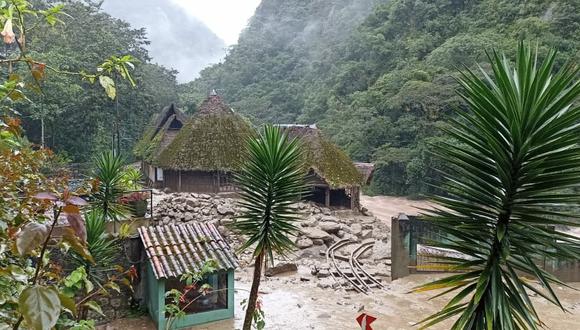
(178, 40)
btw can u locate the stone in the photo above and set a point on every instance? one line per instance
(340, 233)
(225, 210)
(330, 227)
(116, 302)
(226, 221)
(368, 226)
(192, 203)
(323, 273)
(281, 268)
(381, 250)
(204, 196)
(315, 233)
(304, 242)
(318, 242)
(366, 234)
(355, 229)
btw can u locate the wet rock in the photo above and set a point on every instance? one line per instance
(304, 243)
(330, 227)
(225, 210)
(281, 268)
(366, 234)
(381, 250)
(193, 203)
(355, 229)
(315, 233)
(318, 242)
(323, 273)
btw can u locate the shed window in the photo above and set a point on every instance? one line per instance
(159, 173)
(196, 302)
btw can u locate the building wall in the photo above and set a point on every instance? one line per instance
(198, 181)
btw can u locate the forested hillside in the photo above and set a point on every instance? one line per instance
(377, 76)
(78, 117)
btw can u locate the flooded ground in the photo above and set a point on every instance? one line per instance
(385, 207)
(290, 303)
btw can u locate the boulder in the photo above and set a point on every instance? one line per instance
(315, 233)
(330, 227)
(381, 250)
(281, 268)
(192, 203)
(317, 241)
(355, 229)
(304, 242)
(366, 234)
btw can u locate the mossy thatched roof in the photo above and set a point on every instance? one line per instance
(213, 140)
(159, 133)
(325, 158)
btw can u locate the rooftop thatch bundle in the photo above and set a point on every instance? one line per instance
(213, 140)
(325, 158)
(160, 133)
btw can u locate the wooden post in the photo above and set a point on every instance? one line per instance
(327, 197)
(179, 181)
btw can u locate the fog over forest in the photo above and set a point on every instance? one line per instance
(178, 40)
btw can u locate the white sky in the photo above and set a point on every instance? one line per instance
(226, 18)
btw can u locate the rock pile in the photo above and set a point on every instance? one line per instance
(319, 227)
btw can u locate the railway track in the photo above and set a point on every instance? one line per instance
(350, 269)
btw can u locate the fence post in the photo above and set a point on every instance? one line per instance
(400, 244)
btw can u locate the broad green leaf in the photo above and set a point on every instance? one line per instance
(40, 307)
(93, 305)
(109, 86)
(68, 303)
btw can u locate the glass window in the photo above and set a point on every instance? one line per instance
(207, 295)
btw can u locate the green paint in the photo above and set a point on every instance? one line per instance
(156, 304)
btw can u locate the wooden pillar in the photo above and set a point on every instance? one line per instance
(179, 181)
(327, 197)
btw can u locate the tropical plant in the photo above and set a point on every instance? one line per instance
(108, 190)
(131, 178)
(102, 246)
(509, 189)
(271, 180)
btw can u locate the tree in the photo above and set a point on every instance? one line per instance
(510, 185)
(271, 180)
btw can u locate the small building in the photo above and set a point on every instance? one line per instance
(174, 250)
(159, 134)
(334, 178)
(204, 152)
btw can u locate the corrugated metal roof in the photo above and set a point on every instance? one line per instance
(177, 249)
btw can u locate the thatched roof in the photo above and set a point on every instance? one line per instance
(366, 170)
(213, 140)
(325, 158)
(160, 133)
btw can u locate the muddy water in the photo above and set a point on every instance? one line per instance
(290, 303)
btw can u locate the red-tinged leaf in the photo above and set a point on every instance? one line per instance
(30, 237)
(46, 196)
(77, 223)
(71, 209)
(69, 236)
(76, 200)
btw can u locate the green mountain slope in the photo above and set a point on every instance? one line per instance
(377, 76)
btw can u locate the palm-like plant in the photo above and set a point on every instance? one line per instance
(103, 247)
(272, 178)
(109, 175)
(509, 182)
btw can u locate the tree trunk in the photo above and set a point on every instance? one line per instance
(251, 307)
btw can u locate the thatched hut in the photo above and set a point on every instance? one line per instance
(205, 152)
(335, 179)
(162, 130)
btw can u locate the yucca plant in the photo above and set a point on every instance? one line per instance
(510, 181)
(103, 247)
(108, 173)
(271, 180)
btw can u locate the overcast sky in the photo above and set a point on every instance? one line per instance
(226, 18)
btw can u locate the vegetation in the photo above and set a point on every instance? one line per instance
(510, 185)
(213, 142)
(108, 189)
(271, 180)
(377, 76)
(35, 292)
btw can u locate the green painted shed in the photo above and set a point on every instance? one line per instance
(176, 249)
